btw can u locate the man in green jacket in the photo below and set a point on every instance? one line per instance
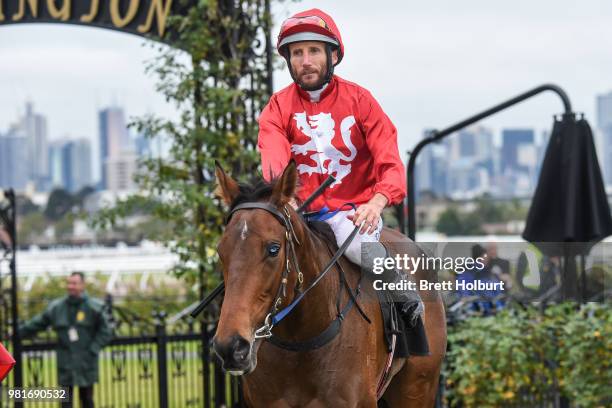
(82, 330)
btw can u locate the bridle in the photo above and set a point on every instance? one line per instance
(290, 237)
(274, 316)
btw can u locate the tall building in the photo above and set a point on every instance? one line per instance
(604, 127)
(114, 139)
(70, 164)
(512, 140)
(604, 110)
(475, 142)
(466, 181)
(56, 174)
(120, 172)
(34, 128)
(470, 162)
(76, 164)
(519, 163)
(14, 160)
(431, 169)
(466, 139)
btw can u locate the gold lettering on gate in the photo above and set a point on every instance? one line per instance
(21, 10)
(161, 12)
(119, 21)
(93, 12)
(63, 13)
(158, 12)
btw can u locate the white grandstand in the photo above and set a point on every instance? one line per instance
(145, 260)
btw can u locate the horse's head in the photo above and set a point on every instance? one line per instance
(252, 251)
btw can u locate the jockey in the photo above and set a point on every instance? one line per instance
(332, 126)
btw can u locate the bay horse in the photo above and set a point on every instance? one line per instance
(261, 275)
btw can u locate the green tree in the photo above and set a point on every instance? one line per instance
(59, 204)
(449, 222)
(31, 227)
(64, 228)
(490, 211)
(456, 222)
(453, 222)
(217, 74)
(81, 195)
(25, 206)
(517, 211)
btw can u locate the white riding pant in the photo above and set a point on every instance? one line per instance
(365, 255)
(343, 227)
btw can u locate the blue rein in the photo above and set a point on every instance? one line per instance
(320, 215)
(285, 312)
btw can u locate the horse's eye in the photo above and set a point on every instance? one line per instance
(273, 249)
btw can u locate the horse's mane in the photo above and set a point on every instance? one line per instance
(257, 189)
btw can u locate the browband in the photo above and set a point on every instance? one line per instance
(262, 206)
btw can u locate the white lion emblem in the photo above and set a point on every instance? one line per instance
(321, 130)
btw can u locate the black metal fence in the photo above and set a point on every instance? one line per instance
(8, 272)
(150, 363)
(154, 362)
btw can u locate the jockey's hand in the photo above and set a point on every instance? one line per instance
(293, 203)
(368, 214)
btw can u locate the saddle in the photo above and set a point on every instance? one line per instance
(409, 340)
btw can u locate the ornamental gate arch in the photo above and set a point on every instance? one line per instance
(140, 17)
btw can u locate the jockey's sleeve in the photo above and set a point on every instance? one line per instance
(381, 138)
(272, 141)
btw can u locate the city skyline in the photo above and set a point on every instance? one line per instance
(473, 161)
(468, 164)
(29, 159)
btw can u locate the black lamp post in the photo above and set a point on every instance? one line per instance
(408, 226)
(8, 222)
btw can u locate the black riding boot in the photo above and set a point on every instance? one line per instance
(414, 329)
(410, 309)
(408, 303)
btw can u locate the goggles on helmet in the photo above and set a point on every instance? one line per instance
(290, 31)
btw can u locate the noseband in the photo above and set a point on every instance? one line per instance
(274, 316)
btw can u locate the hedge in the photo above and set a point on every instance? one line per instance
(524, 357)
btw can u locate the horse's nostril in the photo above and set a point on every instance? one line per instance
(241, 350)
(234, 353)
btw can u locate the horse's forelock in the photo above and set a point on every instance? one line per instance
(256, 190)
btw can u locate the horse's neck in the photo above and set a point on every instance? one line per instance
(318, 308)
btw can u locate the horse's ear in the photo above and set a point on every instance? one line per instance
(284, 188)
(227, 187)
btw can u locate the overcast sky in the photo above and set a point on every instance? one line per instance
(429, 63)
